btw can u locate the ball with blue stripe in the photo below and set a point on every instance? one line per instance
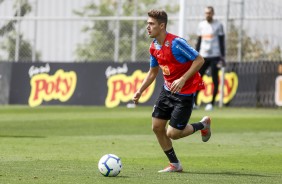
(110, 165)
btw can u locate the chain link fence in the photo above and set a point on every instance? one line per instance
(115, 30)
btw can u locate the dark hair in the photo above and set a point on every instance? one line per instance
(159, 15)
(211, 8)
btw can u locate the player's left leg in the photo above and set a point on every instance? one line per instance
(206, 131)
(183, 106)
(178, 125)
(175, 134)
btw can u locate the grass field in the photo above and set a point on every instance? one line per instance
(63, 145)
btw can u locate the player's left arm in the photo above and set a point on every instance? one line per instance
(191, 55)
(177, 85)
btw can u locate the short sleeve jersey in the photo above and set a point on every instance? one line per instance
(175, 57)
(209, 33)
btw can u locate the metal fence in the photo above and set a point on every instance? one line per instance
(115, 30)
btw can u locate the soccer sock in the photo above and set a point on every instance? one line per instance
(171, 156)
(197, 126)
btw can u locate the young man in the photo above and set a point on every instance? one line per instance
(179, 63)
(210, 45)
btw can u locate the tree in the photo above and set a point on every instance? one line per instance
(275, 54)
(25, 51)
(99, 45)
(252, 49)
(10, 34)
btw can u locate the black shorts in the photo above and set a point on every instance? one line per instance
(174, 107)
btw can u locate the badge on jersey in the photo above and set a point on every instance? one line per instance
(165, 70)
(167, 43)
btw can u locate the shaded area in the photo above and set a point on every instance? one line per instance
(22, 136)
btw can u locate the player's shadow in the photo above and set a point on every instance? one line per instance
(123, 176)
(227, 174)
(21, 136)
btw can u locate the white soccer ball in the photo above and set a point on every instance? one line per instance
(110, 165)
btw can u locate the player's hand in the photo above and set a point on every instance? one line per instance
(136, 97)
(177, 85)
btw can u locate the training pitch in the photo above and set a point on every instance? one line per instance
(61, 145)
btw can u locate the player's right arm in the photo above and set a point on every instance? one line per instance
(151, 76)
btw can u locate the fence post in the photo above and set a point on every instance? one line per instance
(117, 31)
(35, 31)
(222, 67)
(134, 31)
(182, 17)
(18, 32)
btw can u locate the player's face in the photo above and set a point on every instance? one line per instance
(153, 27)
(209, 14)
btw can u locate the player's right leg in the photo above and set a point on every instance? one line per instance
(161, 114)
(159, 128)
(173, 167)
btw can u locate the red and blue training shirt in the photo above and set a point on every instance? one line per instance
(175, 57)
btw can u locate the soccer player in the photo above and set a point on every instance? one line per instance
(210, 45)
(179, 63)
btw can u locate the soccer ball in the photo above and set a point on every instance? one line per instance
(109, 165)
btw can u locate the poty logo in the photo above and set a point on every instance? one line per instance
(230, 88)
(45, 87)
(121, 88)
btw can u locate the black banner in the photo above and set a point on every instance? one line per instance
(5, 78)
(109, 84)
(257, 86)
(113, 84)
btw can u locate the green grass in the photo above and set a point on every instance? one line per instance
(63, 145)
